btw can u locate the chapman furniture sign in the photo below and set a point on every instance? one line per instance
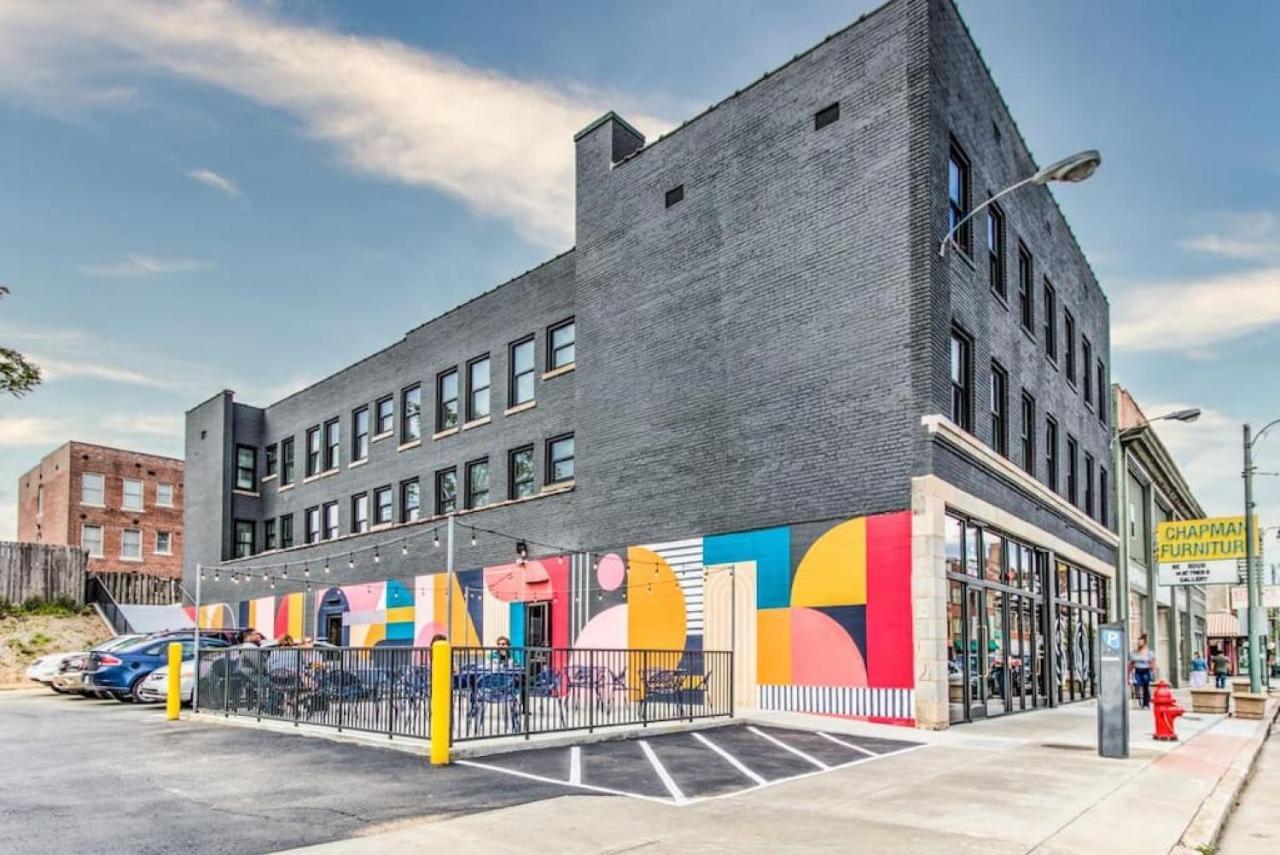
(1202, 552)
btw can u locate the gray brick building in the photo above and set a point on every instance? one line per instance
(773, 377)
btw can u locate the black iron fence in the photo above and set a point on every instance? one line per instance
(495, 691)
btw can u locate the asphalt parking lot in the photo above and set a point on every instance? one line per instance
(88, 776)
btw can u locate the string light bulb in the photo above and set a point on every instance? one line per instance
(376, 556)
(326, 566)
(404, 550)
(351, 561)
(306, 571)
(473, 537)
(284, 574)
(215, 575)
(435, 537)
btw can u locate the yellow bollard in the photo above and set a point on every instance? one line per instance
(441, 701)
(173, 700)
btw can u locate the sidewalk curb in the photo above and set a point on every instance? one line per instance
(1202, 833)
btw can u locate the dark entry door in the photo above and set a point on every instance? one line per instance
(537, 633)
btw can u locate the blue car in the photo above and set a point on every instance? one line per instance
(120, 673)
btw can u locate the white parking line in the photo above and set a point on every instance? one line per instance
(544, 779)
(575, 765)
(847, 744)
(733, 761)
(666, 778)
(796, 751)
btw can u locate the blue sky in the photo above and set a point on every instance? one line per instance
(253, 195)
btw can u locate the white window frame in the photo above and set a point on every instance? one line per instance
(101, 553)
(168, 550)
(160, 485)
(124, 494)
(123, 538)
(102, 489)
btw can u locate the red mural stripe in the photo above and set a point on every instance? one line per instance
(558, 570)
(890, 659)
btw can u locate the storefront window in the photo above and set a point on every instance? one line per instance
(972, 550)
(994, 567)
(954, 536)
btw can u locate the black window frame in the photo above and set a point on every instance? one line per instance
(286, 531)
(1104, 393)
(471, 493)
(237, 542)
(247, 481)
(1028, 436)
(996, 255)
(389, 416)
(312, 535)
(1069, 345)
(446, 407)
(359, 438)
(473, 411)
(286, 461)
(445, 506)
(314, 452)
(410, 419)
(1086, 356)
(999, 405)
(513, 479)
(514, 374)
(553, 350)
(404, 503)
(1026, 289)
(355, 513)
(1049, 296)
(1073, 470)
(957, 210)
(377, 506)
(674, 196)
(1088, 483)
(551, 459)
(270, 461)
(268, 535)
(1104, 503)
(332, 444)
(1051, 452)
(828, 115)
(330, 531)
(961, 389)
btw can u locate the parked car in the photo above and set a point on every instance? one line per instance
(155, 686)
(46, 669)
(121, 672)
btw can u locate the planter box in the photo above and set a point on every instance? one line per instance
(1208, 700)
(1249, 705)
(1239, 685)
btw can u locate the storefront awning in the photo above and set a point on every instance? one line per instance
(1222, 625)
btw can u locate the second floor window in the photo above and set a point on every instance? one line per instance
(958, 197)
(246, 467)
(164, 543)
(269, 534)
(1103, 392)
(164, 495)
(447, 400)
(522, 371)
(1029, 434)
(446, 491)
(521, 473)
(1088, 484)
(330, 520)
(244, 539)
(382, 507)
(1051, 452)
(360, 434)
(91, 540)
(1069, 345)
(286, 461)
(271, 461)
(999, 409)
(332, 444)
(131, 543)
(560, 459)
(995, 249)
(478, 483)
(1103, 498)
(91, 490)
(478, 388)
(132, 495)
(386, 414)
(1086, 354)
(961, 374)
(1073, 481)
(360, 513)
(1050, 321)
(411, 414)
(286, 531)
(313, 525)
(410, 500)
(561, 341)
(313, 452)
(1026, 290)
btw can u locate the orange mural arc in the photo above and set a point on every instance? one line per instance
(834, 570)
(656, 618)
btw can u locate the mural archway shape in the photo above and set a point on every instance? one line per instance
(330, 607)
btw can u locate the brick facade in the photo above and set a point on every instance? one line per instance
(60, 515)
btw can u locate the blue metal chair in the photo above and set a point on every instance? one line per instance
(547, 684)
(661, 683)
(498, 688)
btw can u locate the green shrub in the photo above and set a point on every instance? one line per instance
(60, 606)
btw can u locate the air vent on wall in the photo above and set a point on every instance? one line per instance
(826, 116)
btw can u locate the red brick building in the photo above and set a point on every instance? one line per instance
(124, 507)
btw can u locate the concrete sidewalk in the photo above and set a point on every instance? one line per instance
(1027, 783)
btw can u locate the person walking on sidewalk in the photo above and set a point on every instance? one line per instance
(1199, 671)
(1142, 662)
(1221, 669)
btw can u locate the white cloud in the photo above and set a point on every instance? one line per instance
(95, 369)
(1195, 313)
(1253, 235)
(169, 425)
(138, 266)
(503, 146)
(22, 431)
(221, 183)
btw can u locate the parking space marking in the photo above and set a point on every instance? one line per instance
(575, 765)
(733, 761)
(839, 741)
(663, 775)
(545, 780)
(796, 751)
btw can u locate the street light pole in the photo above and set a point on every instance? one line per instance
(1253, 574)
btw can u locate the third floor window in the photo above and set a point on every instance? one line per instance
(999, 409)
(447, 400)
(1050, 321)
(246, 467)
(360, 434)
(133, 495)
(313, 452)
(1029, 434)
(522, 372)
(478, 483)
(446, 491)
(478, 388)
(521, 473)
(91, 490)
(1086, 356)
(958, 195)
(332, 444)
(1069, 345)
(1026, 290)
(961, 380)
(411, 414)
(286, 461)
(386, 414)
(1051, 452)
(561, 341)
(995, 249)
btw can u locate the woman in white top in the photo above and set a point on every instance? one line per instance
(1142, 662)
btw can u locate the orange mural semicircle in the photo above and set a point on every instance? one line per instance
(834, 570)
(655, 603)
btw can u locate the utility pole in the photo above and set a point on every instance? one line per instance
(1252, 571)
(448, 584)
(1120, 475)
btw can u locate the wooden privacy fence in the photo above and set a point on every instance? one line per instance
(42, 571)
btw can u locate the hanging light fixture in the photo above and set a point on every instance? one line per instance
(404, 550)
(473, 537)
(351, 561)
(284, 574)
(306, 571)
(326, 566)
(376, 556)
(215, 575)
(435, 537)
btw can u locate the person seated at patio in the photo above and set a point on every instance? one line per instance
(502, 655)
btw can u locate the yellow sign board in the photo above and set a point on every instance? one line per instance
(1203, 552)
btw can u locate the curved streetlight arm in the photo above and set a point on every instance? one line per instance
(1268, 426)
(942, 247)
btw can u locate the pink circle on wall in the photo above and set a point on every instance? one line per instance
(611, 572)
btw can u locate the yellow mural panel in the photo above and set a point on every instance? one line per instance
(655, 603)
(400, 614)
(462, 629)
(834, 570)
(773, 646)
(297, 606)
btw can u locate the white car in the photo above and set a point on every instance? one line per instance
(44, 669)
(155, 686)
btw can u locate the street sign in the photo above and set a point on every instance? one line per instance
(1270, 597)
(1113, 690)
(1203, 552)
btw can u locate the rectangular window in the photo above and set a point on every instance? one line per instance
(520, 473)
(1086, 353)
(999, 409)
(447, 400)
(1050, 321)
(244, 538)
(995, 249)
(1088, 484)
(522, 371)
(246, 467)
(1069, 354)
(132, 498)
(1104, 394)
(360, 434)
(313, 452)
(560, 459)
(1073, 492)
(91, 540)
(478, 483)
(1026, 289)
(386, 414)
(958, 195)
(330, 520)
(410, 500)
(39, 499)
(91, 490)
(826, 116)
(164, 543)
(560, 345)
(1028, 434)
(286, 461)
(383, 510)
(359, 513)
(1051, 452)
(332, 444)
(478, 388)
(313, 525)
(1104, 498)
(411, 414)
(271, 461)
(131, 543)
(269, 535)
(675, 194)
(446, 491)
(286, 531)
(164, 495)
(961, 380)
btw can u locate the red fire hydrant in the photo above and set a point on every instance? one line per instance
(1166, 709)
